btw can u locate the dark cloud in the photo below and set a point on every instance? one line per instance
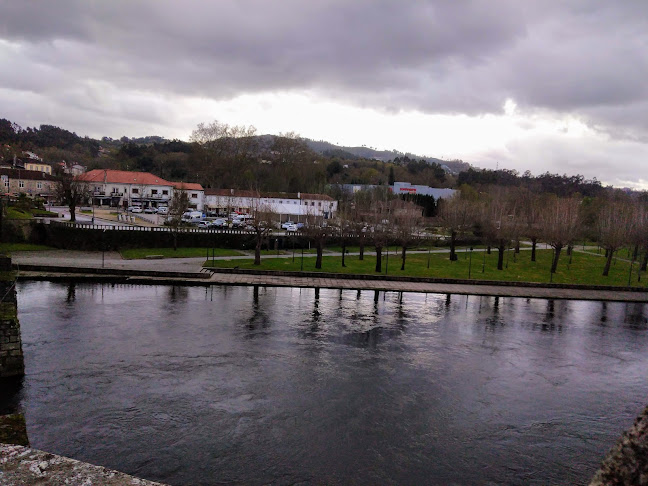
(585, 58)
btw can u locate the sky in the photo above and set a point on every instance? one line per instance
(558, 86)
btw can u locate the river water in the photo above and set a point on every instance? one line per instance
(255, 385)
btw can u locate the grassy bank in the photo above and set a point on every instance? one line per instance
(8, 248)
(585, 268)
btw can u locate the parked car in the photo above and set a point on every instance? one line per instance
(291, 227)
(150, 210)
(204, 224)
(286, 224)
(136, 209)
(219, 223)
(163, 210)
(300, 225)
(237, 223)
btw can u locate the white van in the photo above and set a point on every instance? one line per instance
(192, 217)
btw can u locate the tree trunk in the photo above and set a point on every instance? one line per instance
(320, 248)
(644, 263)
(453, 242)
(72, 213)
(362, 245)
(517, 245)
(534, 242)
(257, 250)
(569, 249)
(175, 239)
(554, 264)
(343, 252)
(403, 257)
(488, 250)
(608, 262)
(501, 248)
(378, 259)
(635, 253)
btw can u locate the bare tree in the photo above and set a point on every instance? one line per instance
(407, 218)
(560, 224)
(71, 191)
(178, 205)
(531, 205)
(317, 231)
(456, 215)
(616, 224)
(382, 222)
(261, 226)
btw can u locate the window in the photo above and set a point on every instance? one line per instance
(194, 195)
(312, 203)
(39, 185)
(21, 183)
(153, 191)
(319, 204)
(165, 192)
(6, 182)
(280, 202)
(135, 190)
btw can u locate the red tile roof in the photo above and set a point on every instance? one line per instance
(123, 177)
(187, 186)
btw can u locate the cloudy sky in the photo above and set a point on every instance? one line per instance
(559, 86)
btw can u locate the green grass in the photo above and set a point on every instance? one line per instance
(15, 213)
(584, 269)
(8, 248)
(135, 253)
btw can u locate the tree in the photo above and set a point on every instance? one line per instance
(407, 218)
(560, 224)
(531, 205)
(261, 226)
(71, 191)
(616, 223)
(317, 231)
(382, 224)
(456, 215)
(178, 205)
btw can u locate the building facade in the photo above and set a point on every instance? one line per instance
(288, 206)
(120, 188)
(35, 184)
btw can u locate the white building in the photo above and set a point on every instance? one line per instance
(120, 188)
(289, 206)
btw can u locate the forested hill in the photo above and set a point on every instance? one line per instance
(236, 157)
(364, 152)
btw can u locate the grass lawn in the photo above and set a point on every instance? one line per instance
(8, 248)
(134, 253)
(15, 213)
(584, 269)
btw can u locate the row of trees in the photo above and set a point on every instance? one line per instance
(501, 217)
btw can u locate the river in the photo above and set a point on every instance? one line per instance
(256, 385)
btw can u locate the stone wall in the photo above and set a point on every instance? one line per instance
(11, 354)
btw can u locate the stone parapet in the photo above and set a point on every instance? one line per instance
(24, 466)
(11, 354)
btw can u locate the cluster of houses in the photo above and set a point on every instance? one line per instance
(118, 188)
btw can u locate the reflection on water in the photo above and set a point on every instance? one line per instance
(261, 385)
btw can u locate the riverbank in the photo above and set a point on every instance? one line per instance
(333, 281)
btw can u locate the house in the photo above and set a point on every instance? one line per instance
(125, 188)
(35, 184)
(195, 193)
(38, 165)
(289, 206)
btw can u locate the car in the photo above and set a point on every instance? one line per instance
(163, 210)
(300, 225)
(150, 210)
(219, 223)
(236, 223)
(136, 209)
(204, 224)
(291, 227)
(286, 224)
